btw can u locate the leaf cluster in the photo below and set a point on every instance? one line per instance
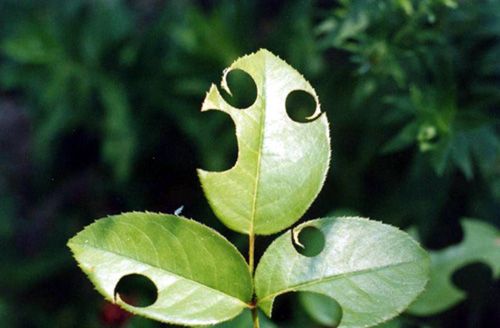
(59, 167)
(372, 270)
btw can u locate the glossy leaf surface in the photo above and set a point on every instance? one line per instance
(481, 243)
(374, 271)
(201, 278)
(281, 163)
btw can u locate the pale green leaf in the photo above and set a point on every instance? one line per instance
(281, 163)
(481, 244)
(374, 271)
(201, 278)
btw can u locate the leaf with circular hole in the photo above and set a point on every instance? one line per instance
(200, 277)
(281, 163)
(373, 270)
(481, 243)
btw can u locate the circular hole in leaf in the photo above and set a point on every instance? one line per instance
(433, 237)
(220, 142)
(137, 290)
(311, 242)
(283, 309)
(321, 308)
(242, 87)
(300, 105)
(475, 279)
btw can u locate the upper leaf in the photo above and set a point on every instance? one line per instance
(281, 163)
(374, 271)
(201, 278)
(481, 243)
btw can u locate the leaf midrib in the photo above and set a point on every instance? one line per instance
(262, 121)
(162, 269)
(334, 277)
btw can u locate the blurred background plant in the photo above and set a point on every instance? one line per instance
(99, 114)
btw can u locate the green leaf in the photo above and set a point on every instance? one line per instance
(201, 278)
(407, 6)
(281, 164)
(33, 45)
(373, 270)
(481, 243)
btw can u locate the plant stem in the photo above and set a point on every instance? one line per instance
(251, 251)
(255, 317)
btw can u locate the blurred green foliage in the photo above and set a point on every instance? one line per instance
(99, 113)
(480, 244)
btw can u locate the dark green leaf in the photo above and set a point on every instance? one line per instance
(481, 243)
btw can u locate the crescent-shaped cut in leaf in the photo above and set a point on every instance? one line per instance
(281, 164)
(373, 270)
(481, 243)
(201, 278)
(322, 309)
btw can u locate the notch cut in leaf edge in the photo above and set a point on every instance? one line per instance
(295, 100)
(224, 85)
(243, 75)
(313, 243)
